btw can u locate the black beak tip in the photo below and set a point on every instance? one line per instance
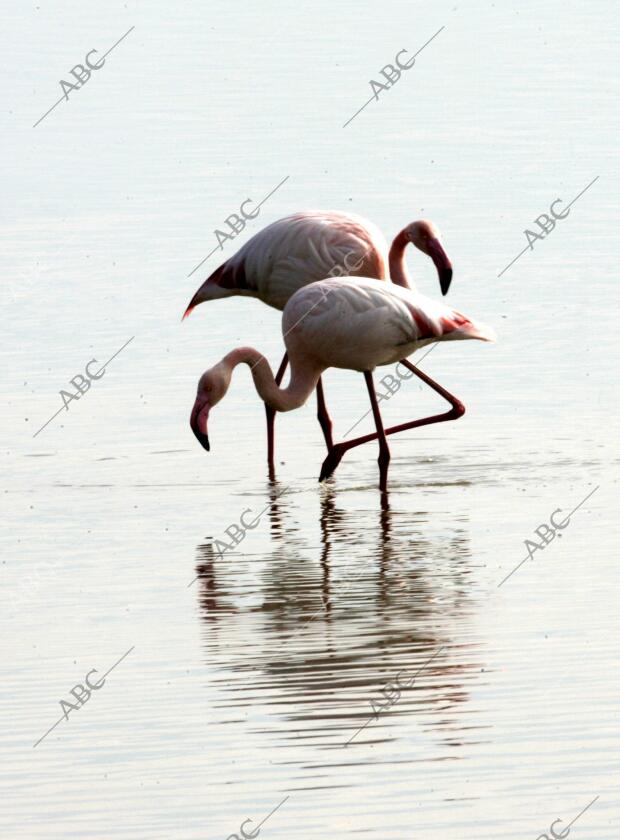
(203, 440)
(445, 280)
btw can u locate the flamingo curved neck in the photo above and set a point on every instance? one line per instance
(301, 384)
(398, 267)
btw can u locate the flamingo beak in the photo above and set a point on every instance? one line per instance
(198, 422)
(442, 264)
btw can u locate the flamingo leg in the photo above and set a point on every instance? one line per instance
(323, 416)
(270, 412)
(384, 449)
(457, 410)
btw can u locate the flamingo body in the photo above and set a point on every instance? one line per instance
(362, 323)
(297, 250)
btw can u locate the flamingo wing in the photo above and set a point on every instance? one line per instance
(415, 317)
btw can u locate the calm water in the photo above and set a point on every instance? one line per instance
(246, 677)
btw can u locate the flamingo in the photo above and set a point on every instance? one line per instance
(305, 247)
(355, 323)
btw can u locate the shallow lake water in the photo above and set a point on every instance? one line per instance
(352, 666)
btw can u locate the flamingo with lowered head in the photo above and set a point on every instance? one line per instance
(355, 323)
(305, 247)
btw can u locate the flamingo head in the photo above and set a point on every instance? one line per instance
(212, 387)
(426, 237)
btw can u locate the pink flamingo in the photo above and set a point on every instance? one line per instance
(356, 323)
(305, 247)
